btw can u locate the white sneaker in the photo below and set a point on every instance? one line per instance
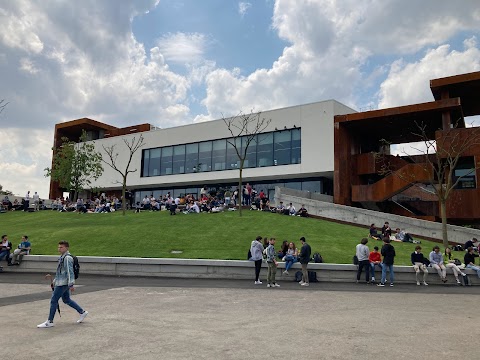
(275, 285)
(268, 285)
(46, 324)
(418, 283)
(301, 283)
(425, 283)
(305, 284)
(285, 272)
(258, 282)
(82, 317)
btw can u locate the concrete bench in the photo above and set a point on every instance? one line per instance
(230, 269)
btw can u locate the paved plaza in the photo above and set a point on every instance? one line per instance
(155, 318)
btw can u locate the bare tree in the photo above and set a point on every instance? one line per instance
(437, 159)
(244, 128)
(3, 105)
(112, 160)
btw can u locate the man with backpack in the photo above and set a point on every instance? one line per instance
(63, 284)
(304, 259)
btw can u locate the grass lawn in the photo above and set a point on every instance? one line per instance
(198, 236)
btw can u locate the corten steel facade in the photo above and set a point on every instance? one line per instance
(360, 178)
(295, 150)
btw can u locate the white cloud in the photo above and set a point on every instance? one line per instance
(183, 48)
(409, 83)
(243, 7)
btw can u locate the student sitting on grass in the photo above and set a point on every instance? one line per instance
(302, 211)
(373, 233)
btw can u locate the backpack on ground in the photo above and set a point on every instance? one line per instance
(355, 260)
(458, 248)
(312, 276)
(298, 276)
(466, 280)
(317, 258)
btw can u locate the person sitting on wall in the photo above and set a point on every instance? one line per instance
(375, 259)
(373, 233)
(23, 249)
(302, 211)
(280, 207)
(469, 260)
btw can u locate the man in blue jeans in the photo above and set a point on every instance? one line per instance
(63, 284)
(388, 253)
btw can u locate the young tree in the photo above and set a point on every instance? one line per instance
(244, 128)
(438, 158)
(5, 192)
(75, 165)
(112, 160)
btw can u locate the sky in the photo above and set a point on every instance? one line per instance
(173, 62)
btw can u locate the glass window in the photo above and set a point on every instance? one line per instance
(145, 159)
(251, 158)
(281, 147)
(205, 156)
(178, 159)
(297, 185)
(191, 160)
(296, 146)
(465, 173)
(232, 158)
(166, 161)
(265, 149)
(312, 186)
(154, 164)
(218, 154)
(178, 192)
(192, 191)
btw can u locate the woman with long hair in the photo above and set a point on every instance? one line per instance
(291, 257)
(450, 263)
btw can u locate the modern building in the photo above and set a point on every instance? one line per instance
(324, 147)
(295, 150)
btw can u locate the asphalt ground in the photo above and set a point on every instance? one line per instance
(165, 318)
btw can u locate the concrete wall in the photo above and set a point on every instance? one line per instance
(315, 120)
(230, 269)
(357, 216)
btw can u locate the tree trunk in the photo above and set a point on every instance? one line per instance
(124, 201)
(443, 214)
(240, 190)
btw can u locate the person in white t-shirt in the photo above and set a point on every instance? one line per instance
(36, 201)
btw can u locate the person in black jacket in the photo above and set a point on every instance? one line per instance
(418, 262)
(388, 253)
(304, 258)
(469, 260)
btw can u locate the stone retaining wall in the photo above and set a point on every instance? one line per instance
(208, 269)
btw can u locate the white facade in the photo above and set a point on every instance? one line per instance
(316, 121)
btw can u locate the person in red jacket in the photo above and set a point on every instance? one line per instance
(375, 260)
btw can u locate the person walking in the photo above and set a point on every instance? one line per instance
(63, 284)
(363, 252)
(256, 249)
(304, 259)
(418, 262)
(272, 264)
(388, 253)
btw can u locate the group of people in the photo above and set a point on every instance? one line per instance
(368, 260)
(24, 204)
(261, 250)
(14, 256)
(386, 231)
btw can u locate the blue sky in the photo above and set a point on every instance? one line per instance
(173, 62)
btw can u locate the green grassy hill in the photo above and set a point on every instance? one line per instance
(199, 236)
